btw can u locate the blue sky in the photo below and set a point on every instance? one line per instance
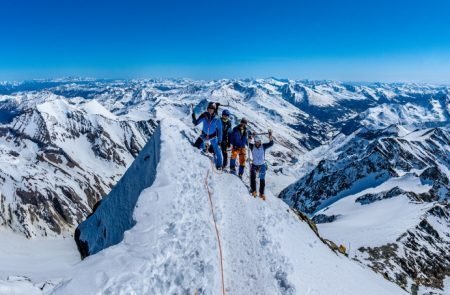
(329, 39)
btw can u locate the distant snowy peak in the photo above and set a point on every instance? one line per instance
(405, 114)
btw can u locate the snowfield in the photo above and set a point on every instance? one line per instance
(37, 259)
(173, 248)
(377, 223)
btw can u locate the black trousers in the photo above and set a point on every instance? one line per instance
(198, 142)
(224, 147)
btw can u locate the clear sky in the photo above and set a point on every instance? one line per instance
(355, 40)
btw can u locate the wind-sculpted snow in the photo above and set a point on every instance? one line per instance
(114, 213)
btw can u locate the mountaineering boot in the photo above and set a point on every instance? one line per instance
(233, 170)
(240, 175)
(262, 196)
(254, 194)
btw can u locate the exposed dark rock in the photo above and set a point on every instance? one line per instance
(422, 254)
(323, 218)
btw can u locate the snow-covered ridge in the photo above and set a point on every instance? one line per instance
(173, 249)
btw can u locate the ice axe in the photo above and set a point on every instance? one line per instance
(263, 133)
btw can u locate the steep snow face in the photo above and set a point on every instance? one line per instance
(99, 230)
(384, 195)
(58, 160)
(173, 248)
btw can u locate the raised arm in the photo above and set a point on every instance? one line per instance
(270, 143)
(197, 121)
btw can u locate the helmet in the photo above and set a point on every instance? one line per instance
(226, 113)
(244, 121)
(257, 139)
(211, 105)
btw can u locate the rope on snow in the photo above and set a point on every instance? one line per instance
(217, 230)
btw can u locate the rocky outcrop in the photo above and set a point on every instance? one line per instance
(419, 257)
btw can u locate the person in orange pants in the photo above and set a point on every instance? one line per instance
(242, 154)
(239, 140)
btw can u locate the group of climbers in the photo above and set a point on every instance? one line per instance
(217, 137)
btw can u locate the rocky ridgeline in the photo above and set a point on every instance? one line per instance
(55, 167)
(419, 256)
(372, 157)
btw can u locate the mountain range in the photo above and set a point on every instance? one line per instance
(369, 163)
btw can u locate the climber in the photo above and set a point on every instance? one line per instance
(239, 141)
(211, 132)
(226, 129)
(259, 164)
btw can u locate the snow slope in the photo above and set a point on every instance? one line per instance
(37, 258)
(173, 248)
(377, 223)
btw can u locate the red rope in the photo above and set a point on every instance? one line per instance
(217, 231)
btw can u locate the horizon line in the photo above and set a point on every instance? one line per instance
(63, 79)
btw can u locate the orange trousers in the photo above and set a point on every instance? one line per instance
(242, 153)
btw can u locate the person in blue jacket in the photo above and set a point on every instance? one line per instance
(258, 151)
(239, 140)
(211, 132)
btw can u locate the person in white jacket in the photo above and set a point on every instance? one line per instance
(258, 165)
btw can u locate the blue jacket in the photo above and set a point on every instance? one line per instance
(212, 125)
(239, 139)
